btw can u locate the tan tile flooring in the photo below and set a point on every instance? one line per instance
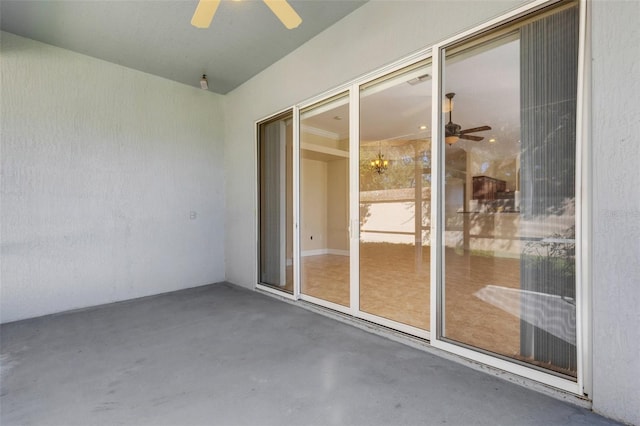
(394, 284)
(391, 284)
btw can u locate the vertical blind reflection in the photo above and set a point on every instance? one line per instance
(548, 115)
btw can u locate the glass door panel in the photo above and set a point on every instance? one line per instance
(509, 194)
(275, 154)
(395, 196)
(324, 201)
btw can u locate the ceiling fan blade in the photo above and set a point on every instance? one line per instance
(471, 137)
(283, 10)
(475, 129)
(203, 15)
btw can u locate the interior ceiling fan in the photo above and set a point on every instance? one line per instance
(205, 10)
(453, 132)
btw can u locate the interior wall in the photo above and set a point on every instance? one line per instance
(615, 246)
(313, 206)
(112, 182)
(338, 206)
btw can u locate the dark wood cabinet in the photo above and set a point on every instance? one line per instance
(487, 188)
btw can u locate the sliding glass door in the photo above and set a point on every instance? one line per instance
(438, 197)
(275, 169)
(324, 201)
(509, 193)
(395, 196)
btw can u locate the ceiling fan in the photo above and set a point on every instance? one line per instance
(205, 10)
(453, 132)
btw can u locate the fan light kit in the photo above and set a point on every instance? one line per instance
(206, 9)
(453, 132)
(204, 85)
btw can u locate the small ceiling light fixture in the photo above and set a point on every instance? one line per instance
(423, 127)
(204, 84)
(492, 140)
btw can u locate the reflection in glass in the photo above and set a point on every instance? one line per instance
(275, 149)
(510, 197)
(395, 196)
(324, 200)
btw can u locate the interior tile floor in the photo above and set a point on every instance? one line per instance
(223, 355)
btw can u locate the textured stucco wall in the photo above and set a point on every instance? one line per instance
(376, 34)
(616, 208)
(101, 168)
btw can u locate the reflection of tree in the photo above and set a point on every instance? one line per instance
(489, 234)
(405, 157)
(365, 213)
(547, 266)
(553, 256)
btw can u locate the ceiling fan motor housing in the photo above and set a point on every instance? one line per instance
(452, 129)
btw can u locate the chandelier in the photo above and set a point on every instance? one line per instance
(379, 165)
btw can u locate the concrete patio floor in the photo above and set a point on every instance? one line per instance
(222, 355)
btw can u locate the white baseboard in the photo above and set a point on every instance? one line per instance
(319, 252)
(338, 252)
